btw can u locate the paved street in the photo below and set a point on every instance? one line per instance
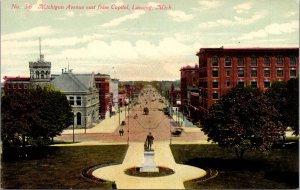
(136, 129)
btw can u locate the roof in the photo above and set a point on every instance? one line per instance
(250, 49)
(189, 67)
(70, 82)
(16, 78)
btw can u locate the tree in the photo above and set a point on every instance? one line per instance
(35, 117)
(285, 98)
(243, 119)
(293, 104)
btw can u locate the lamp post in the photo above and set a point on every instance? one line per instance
(74, 129)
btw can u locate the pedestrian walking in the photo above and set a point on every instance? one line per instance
(120, 132)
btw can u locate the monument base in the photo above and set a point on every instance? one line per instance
(149, 165)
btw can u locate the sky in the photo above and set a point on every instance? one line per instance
(133, 39)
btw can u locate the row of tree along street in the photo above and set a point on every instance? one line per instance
(245, 118)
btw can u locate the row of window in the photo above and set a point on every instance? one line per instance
(41, 74)
(75, 100)
(253, 61)
(253, 73)
(17, 86)
(240, 83)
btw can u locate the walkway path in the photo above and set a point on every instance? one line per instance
(163, 157)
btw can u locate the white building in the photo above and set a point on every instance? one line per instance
(83, 96)
(114, 89)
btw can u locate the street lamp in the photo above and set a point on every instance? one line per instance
(73, 128)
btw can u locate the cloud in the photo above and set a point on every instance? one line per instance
(125, 50)
(120, 20)
(180, 16)
(243, 7)
(31, 33)
(290, 14)
(275, 29)
(209, 4)
(236, 21)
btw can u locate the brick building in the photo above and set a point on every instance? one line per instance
(105, 97)
(15, 84)
(189, 85)
(221, 69)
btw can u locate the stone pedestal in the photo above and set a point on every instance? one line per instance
(149, 165)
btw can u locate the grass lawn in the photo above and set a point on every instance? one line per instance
(278, 169)
(60, 168)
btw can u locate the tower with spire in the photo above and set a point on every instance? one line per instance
(40, 70)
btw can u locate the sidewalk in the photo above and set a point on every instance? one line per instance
(108, 125)
(163, 157)
(186, 124)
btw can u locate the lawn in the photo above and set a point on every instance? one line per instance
(59, 167)
(276, 170)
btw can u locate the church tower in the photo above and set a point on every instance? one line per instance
(40, 70)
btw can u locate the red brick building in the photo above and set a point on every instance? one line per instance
(16, 84)
(189, 85)
(221, 69)
(105, 97)
(175, 96)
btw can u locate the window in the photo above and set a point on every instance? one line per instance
(254, 84)
(266, 61)
(240, 72)
(214, 61)
(279, 72)
(293, 73)
(215, 73)
(227, 61)
(20, 86)
(266, 72)
(215, 95)
(71, 100)
(227, 72)
(266, 84)
(240, 84)
(227, 83)
(240, 61)
(37, 73)
(253, 72)
(25, 86)
(279, 60)
(78, 100)
(8, 86)
(253, 60)
(194, 79)
(78, 118)
(42, 74)
(14, 86)
(292, 60)
(215, 84)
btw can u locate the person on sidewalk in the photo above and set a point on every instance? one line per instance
(120, 132)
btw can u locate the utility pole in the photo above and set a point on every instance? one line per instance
(119, 113)
(73, 129)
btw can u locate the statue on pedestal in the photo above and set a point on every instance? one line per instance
(148, 142)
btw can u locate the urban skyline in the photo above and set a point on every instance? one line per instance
(139, 44)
